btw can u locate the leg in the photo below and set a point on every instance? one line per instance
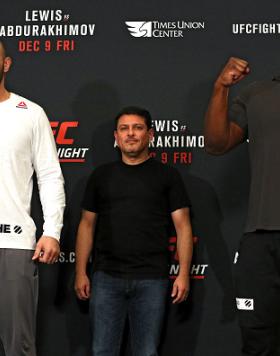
(147, 303)
(259, 341)
(108, 313)
(258, 292)
(18, 302)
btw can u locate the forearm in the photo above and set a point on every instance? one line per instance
(53, 203)
(181, 220)
(184, 249)
(84, 246)
(217, 126)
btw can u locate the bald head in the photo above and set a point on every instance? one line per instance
(2, 49)
(5, 63)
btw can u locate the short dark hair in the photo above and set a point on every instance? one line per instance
(135, 110)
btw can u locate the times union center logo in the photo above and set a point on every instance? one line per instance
(140, 28)
(158, 29)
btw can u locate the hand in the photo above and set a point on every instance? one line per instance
(82, 286)
(234, 71)
(180, 289)
(47, 250)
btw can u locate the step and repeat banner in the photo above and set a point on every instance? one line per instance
(83, 61)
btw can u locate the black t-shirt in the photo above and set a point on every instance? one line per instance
(257, 111)
(133, 205)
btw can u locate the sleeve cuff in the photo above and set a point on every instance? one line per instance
(52, 234)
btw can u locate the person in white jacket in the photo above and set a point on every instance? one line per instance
(26, 145)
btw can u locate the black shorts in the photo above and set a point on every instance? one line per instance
(257, 272)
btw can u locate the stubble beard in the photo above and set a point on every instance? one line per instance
(1, 74)
(136, 153)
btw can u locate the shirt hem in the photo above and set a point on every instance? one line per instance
(130, 275)
(262, 227)
(14, 245)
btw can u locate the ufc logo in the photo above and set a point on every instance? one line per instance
(60, 131)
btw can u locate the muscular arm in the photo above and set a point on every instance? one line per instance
(181, 220)
(220, 134)
(84, 244)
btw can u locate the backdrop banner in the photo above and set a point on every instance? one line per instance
(82, 61)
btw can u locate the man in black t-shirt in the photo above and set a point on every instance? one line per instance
(127, 209)
(254, 114)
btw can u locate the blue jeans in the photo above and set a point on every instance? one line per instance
(113, 299)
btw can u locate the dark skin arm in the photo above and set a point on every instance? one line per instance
(221, 135)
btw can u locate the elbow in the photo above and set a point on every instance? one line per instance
(215, 151)
(214, 147)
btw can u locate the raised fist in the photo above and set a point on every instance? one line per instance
(234, 71)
